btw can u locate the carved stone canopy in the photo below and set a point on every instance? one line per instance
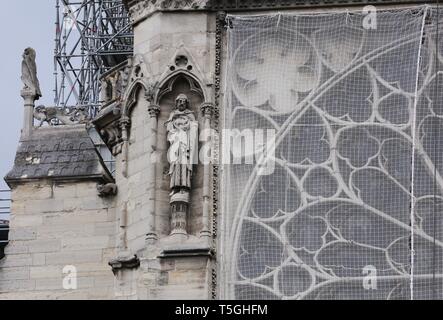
(169, 87)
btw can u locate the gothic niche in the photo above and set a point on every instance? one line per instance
(180, 123)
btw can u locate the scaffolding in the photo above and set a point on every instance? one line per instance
(92, 36)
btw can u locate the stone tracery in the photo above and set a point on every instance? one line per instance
(340, 198)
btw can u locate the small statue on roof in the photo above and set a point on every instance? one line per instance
(29, 73)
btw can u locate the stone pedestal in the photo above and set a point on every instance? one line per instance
(176, 270)
(29, 98)
(179, 215)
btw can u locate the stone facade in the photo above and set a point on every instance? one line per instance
(54, 225)
(120, 241)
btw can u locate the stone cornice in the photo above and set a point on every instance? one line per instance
(140, 9)
(293, 4)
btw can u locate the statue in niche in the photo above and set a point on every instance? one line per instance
(29, 73)
(182, 131)
(182, 134)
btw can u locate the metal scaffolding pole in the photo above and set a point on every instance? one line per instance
(92, 36)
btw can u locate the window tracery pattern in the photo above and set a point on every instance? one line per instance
(357, 185)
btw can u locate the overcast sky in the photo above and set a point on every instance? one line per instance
(23, 23)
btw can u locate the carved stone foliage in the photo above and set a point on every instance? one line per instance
(54, 116)
(153, 111)
(207, 110)
(142, 9)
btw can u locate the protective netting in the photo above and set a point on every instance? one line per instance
(354, 206)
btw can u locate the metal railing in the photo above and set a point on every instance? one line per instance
(5, 212)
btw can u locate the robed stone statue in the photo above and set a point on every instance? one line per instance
(29, 73)
(182, 130)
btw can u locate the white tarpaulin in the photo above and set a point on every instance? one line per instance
(354, 206)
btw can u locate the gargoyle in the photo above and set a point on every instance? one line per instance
(107, 190)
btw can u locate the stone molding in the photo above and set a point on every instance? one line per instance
(219, 32)
(121, 263)
(141, 9)
(294, 4)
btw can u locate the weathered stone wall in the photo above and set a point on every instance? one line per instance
(134, 188)
(159, 37)
(181, 278)
(54, 225)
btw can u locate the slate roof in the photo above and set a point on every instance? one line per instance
(63, 153)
